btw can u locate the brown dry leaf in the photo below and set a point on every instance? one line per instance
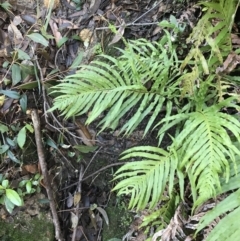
(229, 64)
(94, 6)
(47, 3)
(83, 132)
(14, 34)
(86, 36)
(31, 168)
(76, 198)
(56, 33)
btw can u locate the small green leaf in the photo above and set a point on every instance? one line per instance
(16, 74)
(22, 55)
(29, 186)
(23, 103)
(5, 64)
(8, 204)
(22, 183)
(51, 143)
(3, 128)
(21, 138)
(5, 183)
(85, 149)
(6, 5)
(10, 93)
(3, 148)
(30, 128)
(12, 157)
(62, 41)
(10, 142)
(38, 38)
(13, 197)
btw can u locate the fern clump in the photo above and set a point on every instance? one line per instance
(119, 84)
(147, 78)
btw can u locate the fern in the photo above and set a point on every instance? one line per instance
(119, 84)
(146, 180)
(227, 228)
(204, 147)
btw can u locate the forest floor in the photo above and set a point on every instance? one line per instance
(39, 46)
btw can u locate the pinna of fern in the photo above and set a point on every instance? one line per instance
(119, 84)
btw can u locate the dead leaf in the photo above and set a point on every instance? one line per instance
(77, 198)
(56, 33)
(14, 34)
(86, 36)
(31, 168)
(104, 214)
(47, 3)
(69, 200)
(85, 134)
(229, 64)
(74, 220)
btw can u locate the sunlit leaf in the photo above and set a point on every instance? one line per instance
(13, 197)
(29, 186)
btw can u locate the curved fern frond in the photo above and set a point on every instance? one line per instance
(119, 84)
(205, 149)
(146, 180)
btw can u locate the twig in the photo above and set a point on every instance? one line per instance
(134, 22)
(79, 190)
(43, 165)
(89, 163)
(95, 173)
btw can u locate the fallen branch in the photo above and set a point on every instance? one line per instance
(43, 165)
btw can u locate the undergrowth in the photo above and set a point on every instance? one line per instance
(149, 77)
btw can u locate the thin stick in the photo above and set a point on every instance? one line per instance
(79, 190)
(95, 173)
(43, 165)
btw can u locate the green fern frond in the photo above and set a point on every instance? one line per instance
(119, 84)
(204, 148)
(230, 204)
(146, 180)
(228, 227)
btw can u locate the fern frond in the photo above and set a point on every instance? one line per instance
(204, 148)
(146, 180)
(119, 84)
(228, 227)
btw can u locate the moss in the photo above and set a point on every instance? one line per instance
(119, 222)
(21, 229)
